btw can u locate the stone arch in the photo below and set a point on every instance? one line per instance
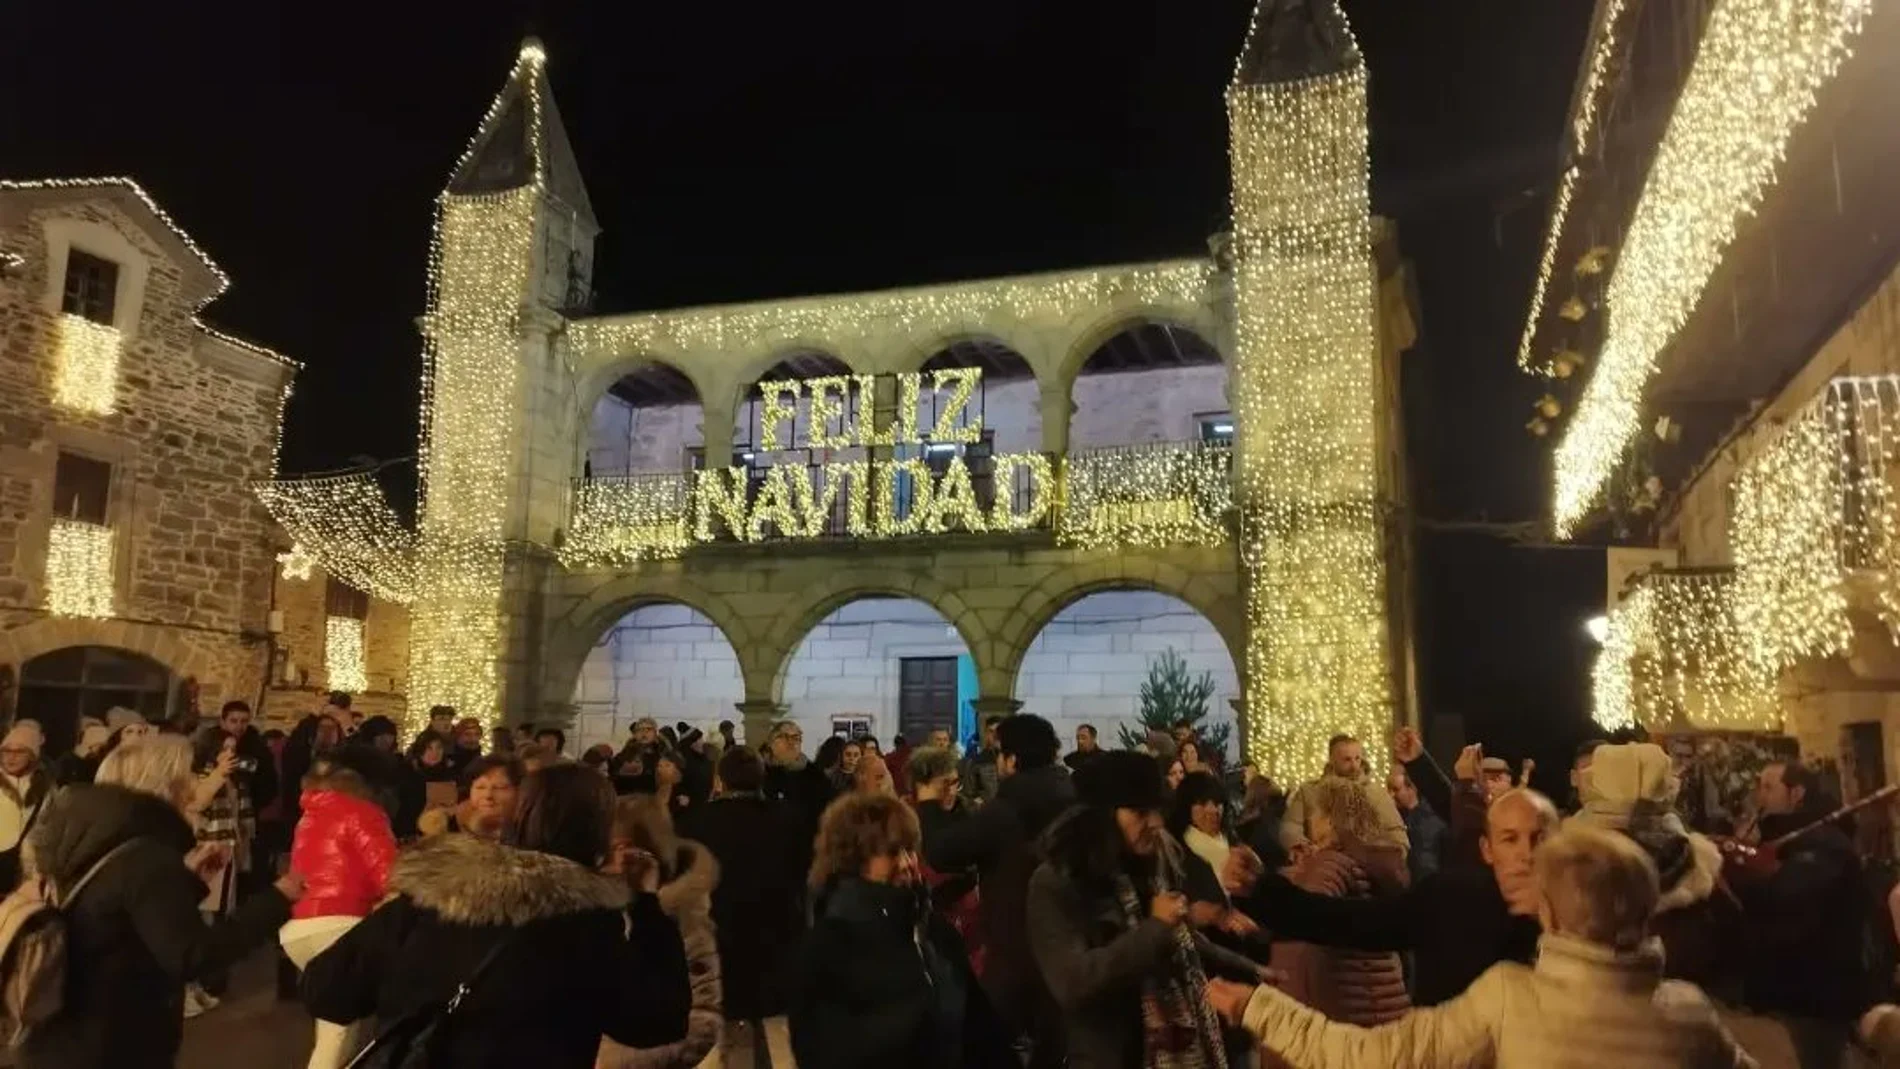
(161, 644)
(758, 360)
(580, 630)
(595, 385)
(1041, 604)
(782, 638)
(912, 355)
(1094, 333)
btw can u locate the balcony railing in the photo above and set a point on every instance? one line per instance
(1165, 493)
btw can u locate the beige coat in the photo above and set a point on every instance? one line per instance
(1391, 824)
(1584, 1006)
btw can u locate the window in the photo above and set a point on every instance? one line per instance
(92, 286)
(81, 488)
(342, 599)
(1217, 428)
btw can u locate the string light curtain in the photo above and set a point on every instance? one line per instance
(1675, 654)
(343, 654)
(344, 524)
(1166, 494)
(79, 573)
(1304, 390)
(1815, 510)
(86, 373)
(1754, 79)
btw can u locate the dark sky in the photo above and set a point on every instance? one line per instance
(742, 150)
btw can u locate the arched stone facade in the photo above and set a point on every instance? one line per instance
(997, 592)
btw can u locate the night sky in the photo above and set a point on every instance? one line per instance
(744, 150)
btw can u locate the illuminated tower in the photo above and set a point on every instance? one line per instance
(1306, 447)
(513, 249)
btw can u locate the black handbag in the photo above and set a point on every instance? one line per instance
(415, 1040)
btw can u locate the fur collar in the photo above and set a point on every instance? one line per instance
(691, 890)
(476, 882)
(1698, 883)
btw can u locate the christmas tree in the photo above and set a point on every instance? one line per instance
(1169, 696)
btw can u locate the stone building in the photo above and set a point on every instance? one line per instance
(135, 566)
(911, 506)
(1751, 595)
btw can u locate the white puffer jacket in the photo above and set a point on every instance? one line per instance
(1583, 1006)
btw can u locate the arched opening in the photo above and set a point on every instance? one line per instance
(1089, 662)
(1008, 406)
(882, 666)
(664, 660)
(60, 686)
(649, 421)
(1151, 381)
(795, 439)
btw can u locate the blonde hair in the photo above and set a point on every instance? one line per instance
(1598, 884)
(858, 828)
(1347, 805)
(158, 765)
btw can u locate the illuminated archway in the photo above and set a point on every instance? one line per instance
(663, 659)
(888, 665)
(1148, 380)
(647, 420)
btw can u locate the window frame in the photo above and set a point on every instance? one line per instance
(83, 466)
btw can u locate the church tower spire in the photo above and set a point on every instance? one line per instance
(522, 142)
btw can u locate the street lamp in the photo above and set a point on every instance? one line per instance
(1598, 628)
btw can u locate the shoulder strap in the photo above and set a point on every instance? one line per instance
(481, 967)
(66, 899)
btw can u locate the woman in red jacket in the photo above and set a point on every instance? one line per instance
(343, 848)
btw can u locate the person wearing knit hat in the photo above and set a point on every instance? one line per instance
(119, 718)
(1108, 927)
(1632, 789)
(24, 787)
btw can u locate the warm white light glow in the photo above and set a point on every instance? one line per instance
(86, 369)
(1304, 399)
(1598, 628)
(343, 654)
(79, 574)
(1754, 79)
(297, 563)
(1674, 656)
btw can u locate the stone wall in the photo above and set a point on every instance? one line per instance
(1122, 408)
(301, 681)
(1086, 665)
(195, 423)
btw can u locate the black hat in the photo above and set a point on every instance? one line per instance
(1122, 779)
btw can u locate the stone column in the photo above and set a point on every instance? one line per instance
(716, 420)
(757, 714)
(1056, 407)
(988, 706)
(1241, 725)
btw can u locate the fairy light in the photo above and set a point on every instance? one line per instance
(343, 654)
(344, 524)
(79, 574)
(1675, 653)
(1147, 496)
(1582, 130)
(86, 373)
(1754, 79)
(1305, 445)
(620, 522)
(1815, 510)
(850, 321)
(297, 563)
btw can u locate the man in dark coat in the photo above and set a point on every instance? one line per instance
(999, 842)
(1806, 921)
(1457, 924)
(758, 907)
(134, 934)
(792, 778)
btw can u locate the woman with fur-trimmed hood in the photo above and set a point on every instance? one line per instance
(1631, 788)
(682, 874)
(577, 956)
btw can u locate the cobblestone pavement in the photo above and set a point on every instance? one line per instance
(250, 1029)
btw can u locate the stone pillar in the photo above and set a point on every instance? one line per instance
(1056, 408)
(716, 420)
(988, 706)
(757, 714)
(1240, 727)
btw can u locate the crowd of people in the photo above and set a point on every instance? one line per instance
(480, 898)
